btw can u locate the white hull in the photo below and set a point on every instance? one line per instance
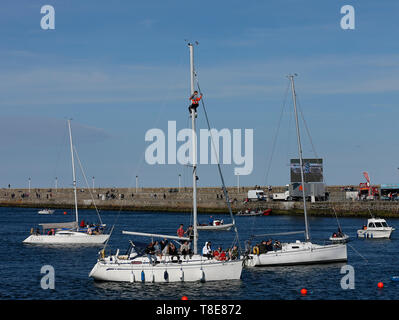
(383, 233)
(299, 253)
(343, 239)
(46, 212)
(69, 237)
(197, 268)
(217, 227)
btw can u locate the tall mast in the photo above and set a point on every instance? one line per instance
(73, 172)
(291, 77)
(194, 141)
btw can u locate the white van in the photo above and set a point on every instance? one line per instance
(256, 195)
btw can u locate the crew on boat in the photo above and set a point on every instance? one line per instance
(219, 254)
(233, 253)
(265, 246)
(185, 249)
(180, 231)
(207, 250)
(190, 233)
(150, 251)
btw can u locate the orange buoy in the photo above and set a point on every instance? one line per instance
(304, 291)
(380, 285)
(184, 298)
(65, 212)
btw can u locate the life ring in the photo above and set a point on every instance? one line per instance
(255, 250)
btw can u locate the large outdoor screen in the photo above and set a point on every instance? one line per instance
(312, 169)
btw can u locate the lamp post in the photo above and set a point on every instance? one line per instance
(93, 182)
(179, 182)
(137, 183)
(238, 182)
(29, 184)
(56, 184)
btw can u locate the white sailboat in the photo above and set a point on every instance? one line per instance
(298, 252)
(136, 267)
(68, 232)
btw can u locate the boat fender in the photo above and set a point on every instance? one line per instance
(132, 277)
(182, 275)
(166, 275)
(202, 279)
(142, 276)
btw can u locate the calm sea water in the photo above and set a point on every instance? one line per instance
(20, 265)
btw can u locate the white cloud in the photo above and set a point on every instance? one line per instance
(323, 74)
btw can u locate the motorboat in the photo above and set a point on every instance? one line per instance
(250, 213)
(376, 228)
(46, 211)
(217, 224)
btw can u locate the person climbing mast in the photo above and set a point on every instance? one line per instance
(194, 102)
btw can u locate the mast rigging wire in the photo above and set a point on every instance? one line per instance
(218, 165)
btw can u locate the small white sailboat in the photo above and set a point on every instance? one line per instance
(46, 211)
(376, 228)
(298, 252)
(68, 232)
(137, 267)
(339, 238)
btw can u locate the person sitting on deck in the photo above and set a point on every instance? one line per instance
(185, 249)
(207, 251)
(221, 255)
(269, 245)
(216, 254)
(210, 221)
(173, 251)
(233, 253)
(277, 245)
(82, 224)
(262, 247)
(150, 251)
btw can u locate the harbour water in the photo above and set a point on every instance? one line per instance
(373, 260)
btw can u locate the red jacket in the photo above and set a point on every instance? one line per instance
(195, 99)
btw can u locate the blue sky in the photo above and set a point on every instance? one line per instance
(120, 68)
